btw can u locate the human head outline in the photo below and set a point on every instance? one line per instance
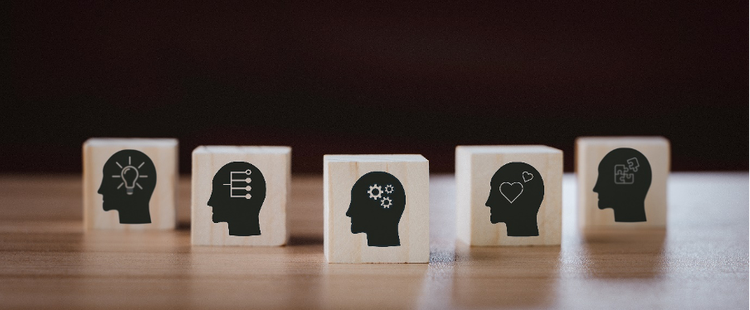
(516, 193)
(237, 195)
(128, 182)
(378, 200)
(622, 184)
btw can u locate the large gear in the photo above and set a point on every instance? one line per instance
(389, 189)
(386, 203)
(377, 188)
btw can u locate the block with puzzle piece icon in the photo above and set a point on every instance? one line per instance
(622, 191)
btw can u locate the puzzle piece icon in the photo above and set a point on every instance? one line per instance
(620, 170)
(628, 178)
(633, 164)
(622, 176)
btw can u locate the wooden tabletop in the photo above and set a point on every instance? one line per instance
(700, 261)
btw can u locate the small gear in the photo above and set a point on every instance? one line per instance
(389, 189)
(375, 192)
(386, 203)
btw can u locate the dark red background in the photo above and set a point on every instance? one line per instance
(391, 78)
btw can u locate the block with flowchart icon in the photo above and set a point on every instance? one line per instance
(240, 195)
(622, 181)
(376, 209)
(509, 195)
(130, 183)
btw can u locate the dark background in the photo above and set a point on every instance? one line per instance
(391, 78)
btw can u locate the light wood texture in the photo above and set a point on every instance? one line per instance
(340, 173)
(699, 262)
(589, 153)
(163, 153)
(274, 162)
(476, 166)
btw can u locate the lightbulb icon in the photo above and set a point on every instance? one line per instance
(129, 176)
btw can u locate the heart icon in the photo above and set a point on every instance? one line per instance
(527, 176)
(508, 190)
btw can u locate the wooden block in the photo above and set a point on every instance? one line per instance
(240, 195)
(622, 181)
(509, 195)
(376, 209)
(129, 184)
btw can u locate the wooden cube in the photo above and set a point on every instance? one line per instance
(240, 195)
(509, 195)
(376, 209)
(129, 184)
(622, 181)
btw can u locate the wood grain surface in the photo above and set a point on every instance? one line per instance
(699, 262)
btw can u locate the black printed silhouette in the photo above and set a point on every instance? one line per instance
(378, 201)
(516, 193)
(623, 182)
(129, 179)
(239, 190)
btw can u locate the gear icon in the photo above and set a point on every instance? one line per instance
(389, 189)
(386, 202)
(375, 192)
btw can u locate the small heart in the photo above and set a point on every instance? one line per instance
(527, 176)
(511, 190)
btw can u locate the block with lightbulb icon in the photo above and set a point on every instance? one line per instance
(240, 195)
(130, 183)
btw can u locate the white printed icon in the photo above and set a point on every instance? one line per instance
(239, 181)
(527, 176)
(376, 192)
(510, 190)
(633, 164)
(622, 172)
(129, 175)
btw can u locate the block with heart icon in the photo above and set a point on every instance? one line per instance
(376, 209)
(509, 195)
(622, 182)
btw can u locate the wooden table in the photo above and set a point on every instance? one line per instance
(700, 261)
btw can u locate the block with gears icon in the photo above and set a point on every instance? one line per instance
(129, 184)
(240, 195)
(509, 195)
(622, 182)
(376, 209)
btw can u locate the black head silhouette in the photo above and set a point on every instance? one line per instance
(516, 192)
(623, 182)
(378, 201)
(128, 181)
(239, 190)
